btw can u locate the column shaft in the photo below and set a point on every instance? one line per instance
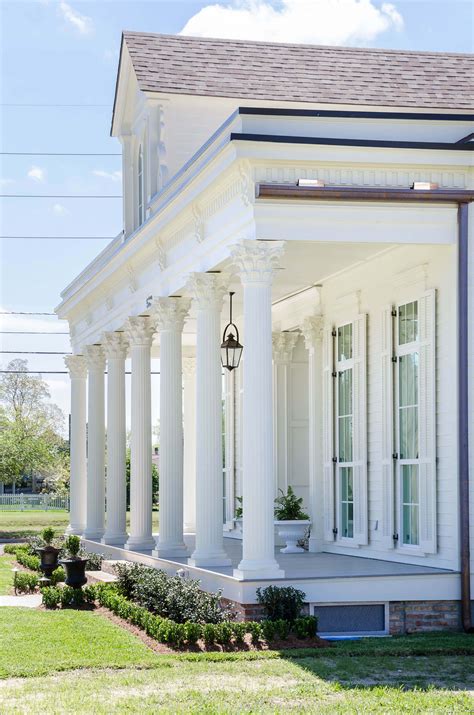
(189, 415)
(78, 485)
(95, 516)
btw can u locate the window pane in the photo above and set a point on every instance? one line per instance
(345, 415)
(347, 502)
(408, 323)
(408, 406)
(344, 342)
(410, 504)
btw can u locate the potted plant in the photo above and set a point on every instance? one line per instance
(48, 553)
(290, 520)
(75, 566)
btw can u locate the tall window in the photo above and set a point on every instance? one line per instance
(344, 430)
(407, 422)
(140, 187)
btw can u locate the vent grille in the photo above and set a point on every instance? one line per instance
(357, 618)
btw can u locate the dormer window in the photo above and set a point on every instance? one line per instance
(141, 187)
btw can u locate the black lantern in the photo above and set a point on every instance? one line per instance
(231, 349)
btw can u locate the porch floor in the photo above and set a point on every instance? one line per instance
(310, 565)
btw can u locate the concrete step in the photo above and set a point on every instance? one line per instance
(100, 577)
(108, 565)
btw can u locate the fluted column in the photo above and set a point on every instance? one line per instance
(312, 330)
(283, 345)
(115, 349)
(189, 418)
(95, 513)
(170, 314)
(77, 367)
(139, 331)
(208, 290)
(255, 261)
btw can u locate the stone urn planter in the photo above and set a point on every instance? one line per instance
(291, 531)
(48, 553)
(74, 565)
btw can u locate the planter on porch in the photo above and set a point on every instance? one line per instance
(292, 531)
(49, 559)
(75, 566)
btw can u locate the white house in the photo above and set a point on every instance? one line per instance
(330, 189)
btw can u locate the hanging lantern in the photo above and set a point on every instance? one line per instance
(231, 349)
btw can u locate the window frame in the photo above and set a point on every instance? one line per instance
(141, 209)
(341, 366)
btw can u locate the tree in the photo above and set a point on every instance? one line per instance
(155, 482)
(30, 426)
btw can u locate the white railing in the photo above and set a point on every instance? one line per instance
(23, 502)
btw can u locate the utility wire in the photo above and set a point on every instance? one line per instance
(13, 312)
(30, 332)
(59, 196)
(57, 153)
(63, 238)
(31, 352)
(19, 104)
(53, 372)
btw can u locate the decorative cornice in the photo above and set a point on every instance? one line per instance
(283, 345)
(132, 279)
(312, 329)
(160, 253)
(208, 289)
(199, 228)
(189, 366)
(95, 358)
(114, 344)
(139, 331)
(257, 260)
(77, 366)
(246, 184)
(170, 313)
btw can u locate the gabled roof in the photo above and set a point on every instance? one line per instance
(301, 73)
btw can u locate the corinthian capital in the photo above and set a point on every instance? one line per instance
(283, 346)
(94, 355)
(256, 260)
(77, 365)
(170, 313)
(115, 345)
(207, 289)
(312, 329)
(139, 331)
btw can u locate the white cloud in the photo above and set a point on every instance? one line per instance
(59, 210)
(81, 23)
(325, 22)
(112, 175)
(37, 174)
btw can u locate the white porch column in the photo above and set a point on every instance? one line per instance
(256, 261)
(95, 513)
(115, 348)
(312, 329)
(189, 418)
(283, 345)
(77, 367)
(170, 314)
(139, 331)
(208, 290)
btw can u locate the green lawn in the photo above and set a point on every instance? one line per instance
(19, 524)
(116, 673)
(6, 575)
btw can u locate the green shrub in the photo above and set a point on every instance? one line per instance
(58, 576)
(209, 634)
(12, 548)
(28, 560)
(282, 628)
(51, 596)
(269, 630)
(94, 561)
(72, 544)
(239, 630)
(288, 507)
(193, 632)
(89, 593)
(255, 630)
(224, 633)
(47, 535)
(281, 602)
(25, 582)
(71, 597)
(305, 627)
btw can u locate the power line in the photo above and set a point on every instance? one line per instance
(19, 104)
(31, 352)
(30, 332)
(14, 312)
(62, 238)
(54, 372)
(59, 196)
(51, 153)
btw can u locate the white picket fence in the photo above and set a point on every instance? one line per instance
(24, 502)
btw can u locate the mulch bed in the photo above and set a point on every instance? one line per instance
(289, 644)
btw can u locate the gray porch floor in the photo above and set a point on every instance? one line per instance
(321, 565)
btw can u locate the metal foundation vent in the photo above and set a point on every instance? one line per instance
(351, 618)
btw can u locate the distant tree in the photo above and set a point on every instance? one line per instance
(30, 426)
(154, 480)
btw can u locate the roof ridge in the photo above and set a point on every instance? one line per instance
(222, 40)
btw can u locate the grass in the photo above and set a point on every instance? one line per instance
(116, 673)
(19, 524)
(6, 576)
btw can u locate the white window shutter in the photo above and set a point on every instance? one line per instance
(388, 486)
(328, 434)
(361, 526)
(427, 421)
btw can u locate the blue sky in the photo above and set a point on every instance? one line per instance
(58, 53)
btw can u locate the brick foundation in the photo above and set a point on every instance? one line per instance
(424, 616)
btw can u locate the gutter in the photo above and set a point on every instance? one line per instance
(462, 198)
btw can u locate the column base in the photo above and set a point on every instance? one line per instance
(115, 539)
(140, 543)
(208, 560)
(76, 530)
(253, 570)
(315, 546)
(93, 534)
(170, 549)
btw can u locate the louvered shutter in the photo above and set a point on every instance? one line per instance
(328, 435)
(427, 422)
(360, 430)
(388, 486)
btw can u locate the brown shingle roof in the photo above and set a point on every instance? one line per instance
(301, 73)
